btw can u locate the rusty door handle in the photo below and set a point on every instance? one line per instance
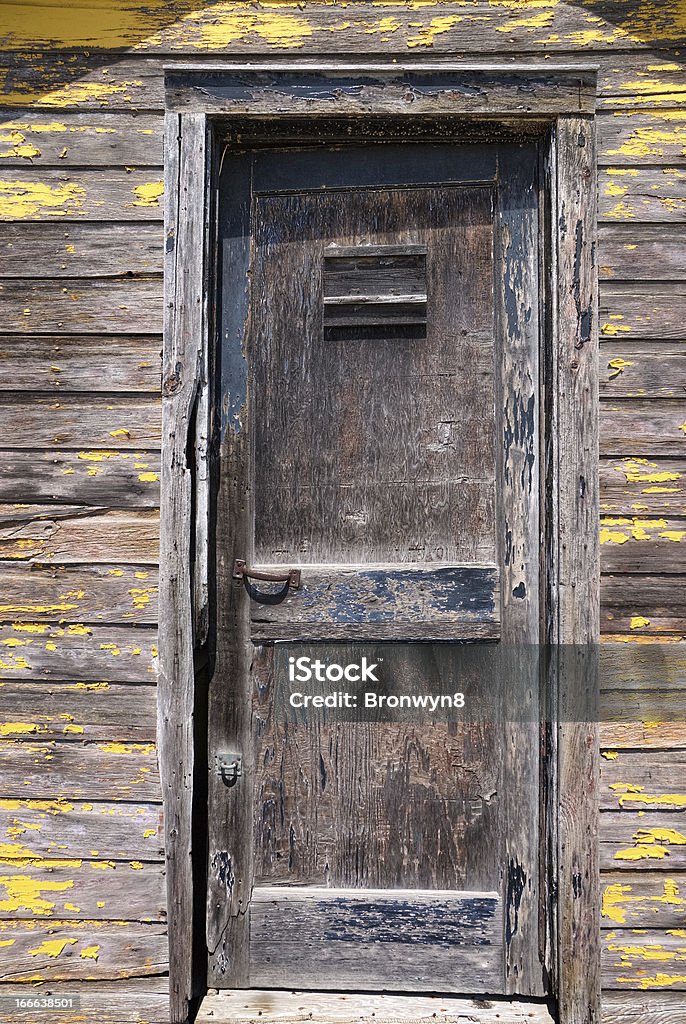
(289, 576)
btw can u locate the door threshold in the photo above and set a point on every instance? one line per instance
(264, 1006)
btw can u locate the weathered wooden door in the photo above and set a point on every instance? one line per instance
(380, 436)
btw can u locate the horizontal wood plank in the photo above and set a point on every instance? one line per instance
(642, 900)
(650, 1007)
(35, 829)
(80, 81)
(642, 252)
(656, 310)
(643, 604)
(642, 544)
(89, 771)
(643, 780)
(384, 939)
(63, 363)
(632, 840)
(77, 652)
(68, 712)
(93, 889)
(144, 1001)
(44, 194)
(81, 305)
(644, 959)
(642, 136)
(80, 140)
(651, 194)
(85, 594)
(249, 1006)
(641, 369)
(410, 601)
(64, 534)
(643, 486)
(91, 950)
(80, 250)
(643, 427)
(123, 479)
(65, 421)
(637, 724)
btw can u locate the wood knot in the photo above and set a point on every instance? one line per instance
(172, 383)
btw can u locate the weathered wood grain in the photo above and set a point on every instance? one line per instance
(641, 666)
(252, 1006)
(643, 603)
(385, 91)
(75, 250)
(645, 193)
(573, 564)
(94, 889)
(643, 780)
(94, 422)
(67, 534)
(119, 478)
(86, 594)
(411, 601)
(636, 841)
(642, 959)
(90, 771)
(657, 724)
(82, 305)
(651, 1007)
(103, 653)
(36, 829)
(639, 486)
(639, 543)
(643, 427)
(645, 136)
(656, 310)
(642, 900)
(52, 951)
(80, 140)
(642, 252)
(184, 373)
(67, 712)
(43, 194)
(383, 940)
(74, 363)
(135, 1002)
(647, 78)
(639, 369)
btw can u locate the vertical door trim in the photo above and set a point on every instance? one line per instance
(560, 108)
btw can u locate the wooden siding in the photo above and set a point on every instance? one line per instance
(81, 303)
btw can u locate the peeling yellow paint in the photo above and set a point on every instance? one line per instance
(613, 329)
(90, 953)
(149, 194)
(618, 366)
(613, 537)
(148, 477)
(620, 212)
(610, 755)
(20, 728)
(52, 947)
(149, 832)
(641, 471)
(127, 748)
(21, 200)
(136, 865)
(76, 729)
(25, 893)
(98, 456)
(638, 622)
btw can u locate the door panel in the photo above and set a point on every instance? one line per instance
(387, 449)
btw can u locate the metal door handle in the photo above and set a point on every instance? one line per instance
(289, 576)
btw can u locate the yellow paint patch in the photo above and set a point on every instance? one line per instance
(148, 478)
(642, 853)
(610, 330)
(91, 686)
(141, 597)
(618, 366)
(434, 28)
(127, 748)
(613, 537)
(90, 953)
(20, 728)
(136, 865)
(621, 212)
(673, 535)
(25, 893)
(30, 627)
(114, 650)
(73, 729)
(643, 471)
(99, 456)
(638, 622)
(17, 145)
(613, 896)
(23, 200)
(610, 755)
(52, 947)
(149, 194)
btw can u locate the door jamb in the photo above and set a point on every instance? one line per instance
(559, 107)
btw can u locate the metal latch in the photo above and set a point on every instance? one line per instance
(229, 767)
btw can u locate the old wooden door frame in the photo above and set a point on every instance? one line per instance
(557, 105)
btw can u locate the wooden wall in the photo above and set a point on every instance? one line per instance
(82, 879)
